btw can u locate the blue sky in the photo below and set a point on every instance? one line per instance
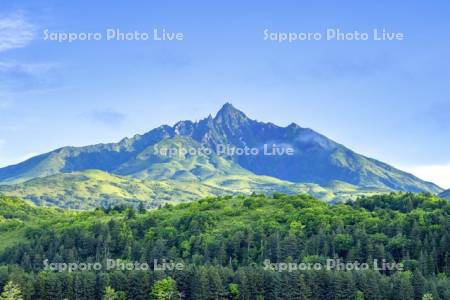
(386, 99)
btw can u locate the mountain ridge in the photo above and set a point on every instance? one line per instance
(316, 159)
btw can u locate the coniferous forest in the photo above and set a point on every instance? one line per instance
(242, 247)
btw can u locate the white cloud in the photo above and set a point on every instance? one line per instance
(439, 174)
(15, 32)
(30, 69)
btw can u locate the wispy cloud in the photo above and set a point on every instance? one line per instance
(108, 117)
(15, 31)
(25, 76)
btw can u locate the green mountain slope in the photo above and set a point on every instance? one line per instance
(15, 215)
(179, 158)
(94, 188)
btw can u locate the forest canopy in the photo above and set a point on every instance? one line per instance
(222, 245)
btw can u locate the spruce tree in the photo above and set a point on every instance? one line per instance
(418, 282)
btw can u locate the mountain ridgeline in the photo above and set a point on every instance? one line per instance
(315, 159)
(445, 194)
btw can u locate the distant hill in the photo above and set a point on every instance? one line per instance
(192, 154)
(94, 188)
(445, 194)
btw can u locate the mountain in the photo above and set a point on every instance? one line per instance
(194, 154)
(316, 158)
(445, 194)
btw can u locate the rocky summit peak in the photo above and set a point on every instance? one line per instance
(229, 111)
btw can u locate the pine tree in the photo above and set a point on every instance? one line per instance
(418, 282)
(369, 285)
(198, 284)
(402, 286)
(344, 286)
(138, 288)
(11, 291)
(272, 285)
(215, 287)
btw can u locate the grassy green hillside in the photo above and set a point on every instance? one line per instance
(16, 215)
(89, 189)
(94, 188)
(180, 158)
